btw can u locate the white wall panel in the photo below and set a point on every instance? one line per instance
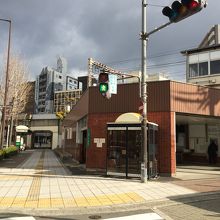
(193, 59)
(203, 57)
(215, 55)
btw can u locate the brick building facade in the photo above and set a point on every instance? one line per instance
(169, 104)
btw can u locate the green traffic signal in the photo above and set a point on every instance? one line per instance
(103, 87)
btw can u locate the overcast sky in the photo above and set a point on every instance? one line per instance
(106, 30)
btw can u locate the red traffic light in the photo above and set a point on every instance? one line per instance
(103, 77)
(193, 5)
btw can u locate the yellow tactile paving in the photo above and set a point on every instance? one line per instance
(99, 200)
(93, 201)
(44, 203)
(31, 204)
(57, 203)
(125, 198)
(34, 191)
(7, 202)
(69, 202)
(135, 197)
(39, 197)
(19, 202)
(81, 201)
(13, 177)
(104, 203)
(115, 199)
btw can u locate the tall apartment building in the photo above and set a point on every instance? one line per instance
(203, 62)
(71, 83)
(50, 81)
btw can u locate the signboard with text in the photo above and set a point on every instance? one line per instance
(112, 83)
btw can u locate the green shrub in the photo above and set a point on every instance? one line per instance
(9, 151)
(2, 154)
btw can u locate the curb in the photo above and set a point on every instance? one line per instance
(154, 205)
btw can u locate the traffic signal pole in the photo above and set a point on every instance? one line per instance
(144, 38)
(190, 7)
(144, 149)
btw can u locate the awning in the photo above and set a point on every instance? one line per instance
(130, 117)
(22, 129)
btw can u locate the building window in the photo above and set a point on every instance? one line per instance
(198, 69)
(60, 77)
(193, 70)
(203, 68)
(69, 133)
(215, 67)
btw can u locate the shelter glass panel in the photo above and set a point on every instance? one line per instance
(116, 158)
(134, 152)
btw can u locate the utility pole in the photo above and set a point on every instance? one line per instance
(144, 40)
(6, 85)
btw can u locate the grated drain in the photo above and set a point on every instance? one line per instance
(95, 216)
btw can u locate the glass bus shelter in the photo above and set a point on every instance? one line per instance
(124, 149)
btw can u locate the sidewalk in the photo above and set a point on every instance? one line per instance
(43, 183)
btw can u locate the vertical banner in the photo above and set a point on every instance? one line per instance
(112, 83)
(88, 137)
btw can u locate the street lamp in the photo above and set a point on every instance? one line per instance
(6, 85)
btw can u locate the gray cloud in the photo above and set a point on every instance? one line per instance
(105, 30)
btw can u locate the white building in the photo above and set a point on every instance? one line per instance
(50, 81)
(203, 63)
(137, 74)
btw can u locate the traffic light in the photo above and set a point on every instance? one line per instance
(180, 10)
(104, 84)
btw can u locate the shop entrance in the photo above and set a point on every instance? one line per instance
(124, 149)
(194, 133)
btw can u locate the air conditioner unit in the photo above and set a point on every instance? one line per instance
(212, 81)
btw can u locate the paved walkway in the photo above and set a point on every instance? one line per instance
(43, 183)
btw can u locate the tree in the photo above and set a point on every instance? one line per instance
(18, 89)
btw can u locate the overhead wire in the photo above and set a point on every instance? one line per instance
(166, 64)
(166, 53)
